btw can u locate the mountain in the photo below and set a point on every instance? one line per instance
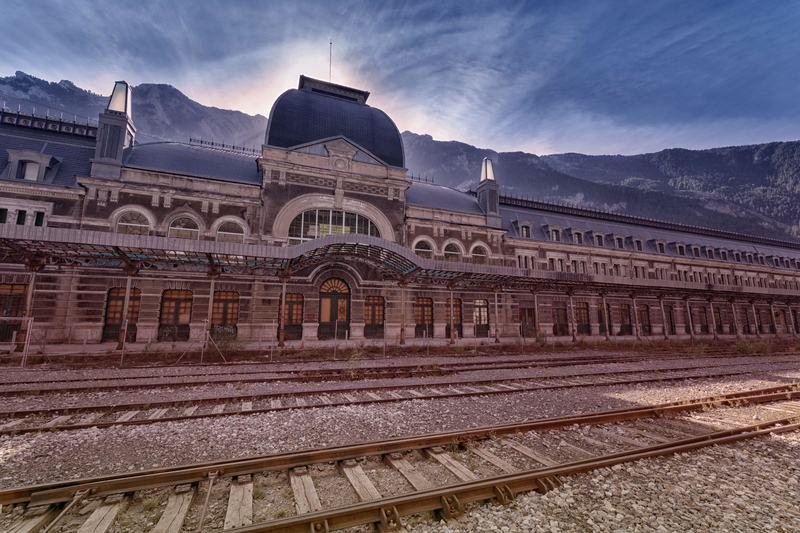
(160, 112)
(763, 178)
(587, 183)
(749, 189)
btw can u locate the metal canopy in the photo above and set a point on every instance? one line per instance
(36, 247)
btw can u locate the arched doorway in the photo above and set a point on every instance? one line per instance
(113, 322)
(334, 310)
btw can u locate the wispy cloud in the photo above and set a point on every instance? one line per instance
(591, 76)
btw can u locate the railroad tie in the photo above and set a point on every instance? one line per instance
(358, 479)
(11, 424)
(176, 510)
(374, 396)
(57, 421)
(394, 395)
(325, 400)
(275, 403)
(305, 495)
(350, 398)
(459, 470)
(300, 402)
(218, 409)
(158, 413)
(416, 393)
(524, 450)
(613, 435)
(103, 517)
(190, 410)
(124, 417)
(34, 518)
(247, 406)
(240, 503)
(502, 464)
(407, 470)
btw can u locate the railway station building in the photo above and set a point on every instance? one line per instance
(321, 235)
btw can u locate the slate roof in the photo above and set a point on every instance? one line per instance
(73, 152)
(540, 217)
(441, 197)
(301, 117)
(193, 160)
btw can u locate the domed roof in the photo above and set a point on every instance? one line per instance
(319, 110)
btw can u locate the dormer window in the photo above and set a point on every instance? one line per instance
(28, 171)
(598, 240)
(681, 250)
(525, 232)
(749, 258)
(724, 256)
(661, 248)
(555, 235)
(738, 257)
(696, 252)
(619, 242)
(577, 238)
(638, 245)
(761, 259)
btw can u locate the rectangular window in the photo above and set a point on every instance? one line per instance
(555, 235)
(3, 215)
(526, 231)
(710, 254)
(724, 256)
(639, 246)
(696, 252)
(681, 250)
(21, 217)
(738, 258)
(619, 243)
(551, 264)
(597, 268)
(605, 270)
(578, 238)
(39, 219)
(575, 266)
(599, 240)
(661, 248)
(561, 265)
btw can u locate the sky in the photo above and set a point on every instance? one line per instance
(596, 76)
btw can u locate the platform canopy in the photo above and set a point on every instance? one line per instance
(38, 247)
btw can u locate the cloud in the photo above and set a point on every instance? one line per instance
(591, 76)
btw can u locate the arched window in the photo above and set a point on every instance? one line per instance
(479, 255)
(230, 232)
(184, 228)
(423, 249)
(452, 253)
(133, 223)
(316, 223)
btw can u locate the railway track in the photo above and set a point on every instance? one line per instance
(171, 378)
(140, 413)
(33, 382)
(385, 481)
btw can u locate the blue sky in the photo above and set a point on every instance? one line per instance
(598, 77)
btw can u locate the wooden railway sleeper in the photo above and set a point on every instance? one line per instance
(390, 520)
(79, 496)
(451, 507)
(211, 477)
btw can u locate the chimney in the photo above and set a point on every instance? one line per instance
(115, 132)
(489, 194)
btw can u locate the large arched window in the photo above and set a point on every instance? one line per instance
(479, 255)
(184, 228)
(133, 223)
(316, 223)
(452, 253)
(423, 249)
(230, 232)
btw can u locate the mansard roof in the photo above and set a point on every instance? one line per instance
(440, 197)
(193, 160)
(72, 152)
(318, 110)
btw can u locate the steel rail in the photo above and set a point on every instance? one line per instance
(37, 390)
(419, 368)
(503, 487)
(115, 484)
(150, 405)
